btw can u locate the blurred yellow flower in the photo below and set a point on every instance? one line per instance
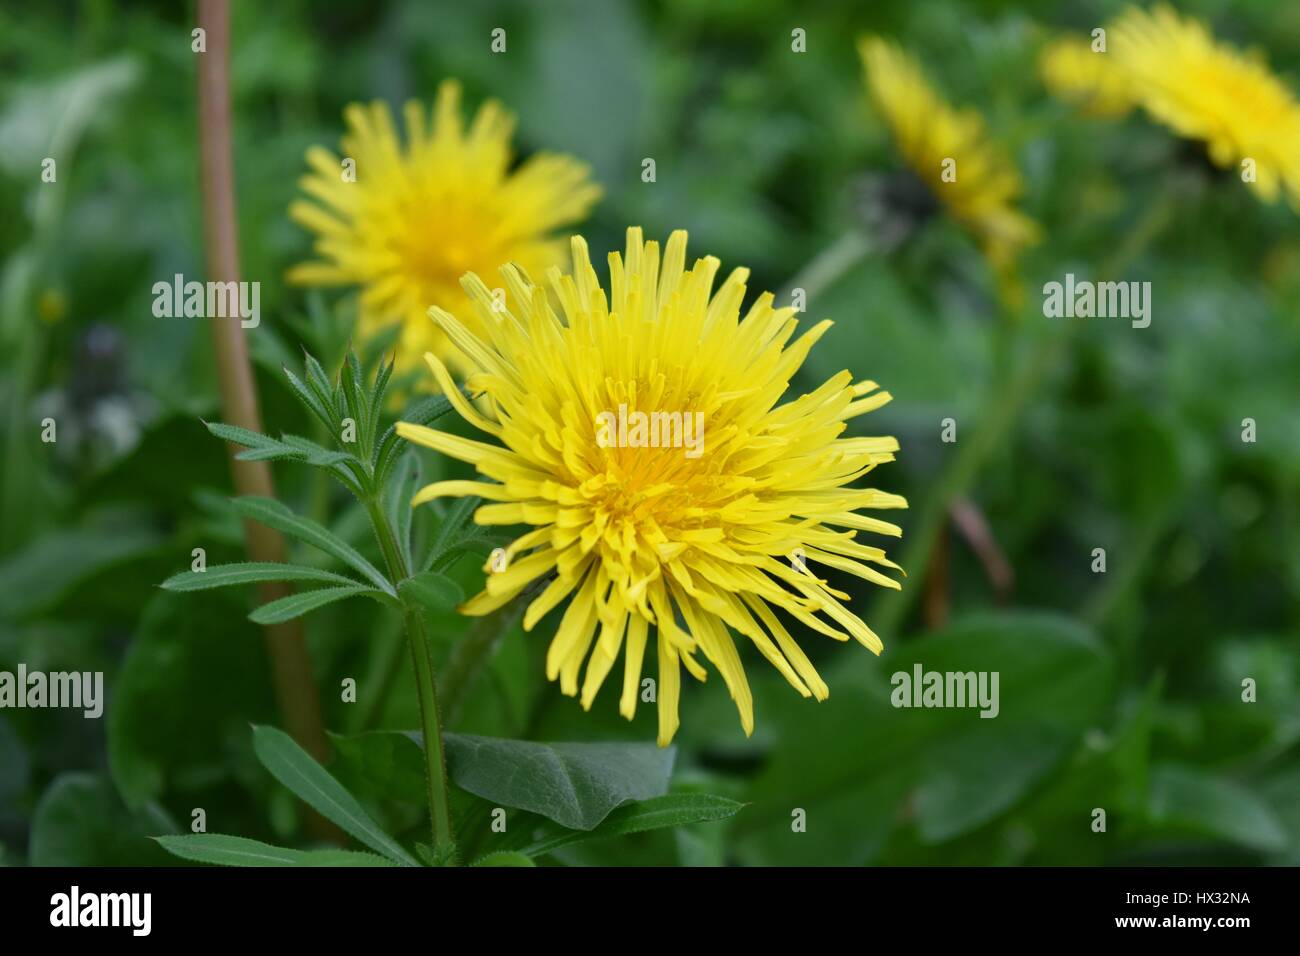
(1092, 80)
(1210, 91)
(641, 435)
(951, 152)
(404, 221)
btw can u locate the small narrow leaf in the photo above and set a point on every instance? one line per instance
(671, 810)
(295, 605)
(251, 572)
(313, 453)
(313, 403)
(273, 514)
(241, 436)
(225, 850)
(296, 769)
(451, 529)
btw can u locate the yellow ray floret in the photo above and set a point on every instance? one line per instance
(676, 493)
(404, 220)
(1091, 79)
(1210, 91)
(982, 186)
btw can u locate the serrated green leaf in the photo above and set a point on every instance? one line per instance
(296, 769)
(313, 453)
(670, 810)
(312, 402)
(241, 436)
(296, 605)
(225, 850)
(273, 514)
(251, 572)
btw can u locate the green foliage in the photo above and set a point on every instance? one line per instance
(1120, 690)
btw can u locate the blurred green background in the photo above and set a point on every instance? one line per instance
(1120, 691)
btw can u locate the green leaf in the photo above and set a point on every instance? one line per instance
(54, 565)
(400, 513)
(80, 821)
(574, 784)
(251, 572)
(322, 410)
(670, 810)
(296, 605)
(1186, 799)
(381, 764)
(194, 675)
(314, 454)
(955, 769)
(319, 382)
(225, 850)
(450, 534)
(273, 514)
(424, 412)
(434, 590)
(296, 769)
(242, 436)
(505, 858)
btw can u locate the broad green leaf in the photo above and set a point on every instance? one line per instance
(41, 574)
(194, 675)
(505, 858)
(1187, 799)
(433, 590)
(956, 769)
(273, 514)
(80, 821)
(296, 605)
(574, 784)
(670, 810)
(225, 850)
(252, 572)
(296, 769)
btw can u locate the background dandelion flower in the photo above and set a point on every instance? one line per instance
(1090, 79)
(929, 133)
(421, 213)
(1210, 91)
(650, 541)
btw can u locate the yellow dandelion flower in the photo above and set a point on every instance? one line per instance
(404, 221)
(643, 435)
(950, 151)
(1090, 79)
(1210, 91)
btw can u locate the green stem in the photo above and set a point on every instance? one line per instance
(829, 266)
(435, 760)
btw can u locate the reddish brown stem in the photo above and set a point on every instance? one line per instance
(294, 682)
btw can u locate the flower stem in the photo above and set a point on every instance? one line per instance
(291, 668)
(829, 265)
(435, 761)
